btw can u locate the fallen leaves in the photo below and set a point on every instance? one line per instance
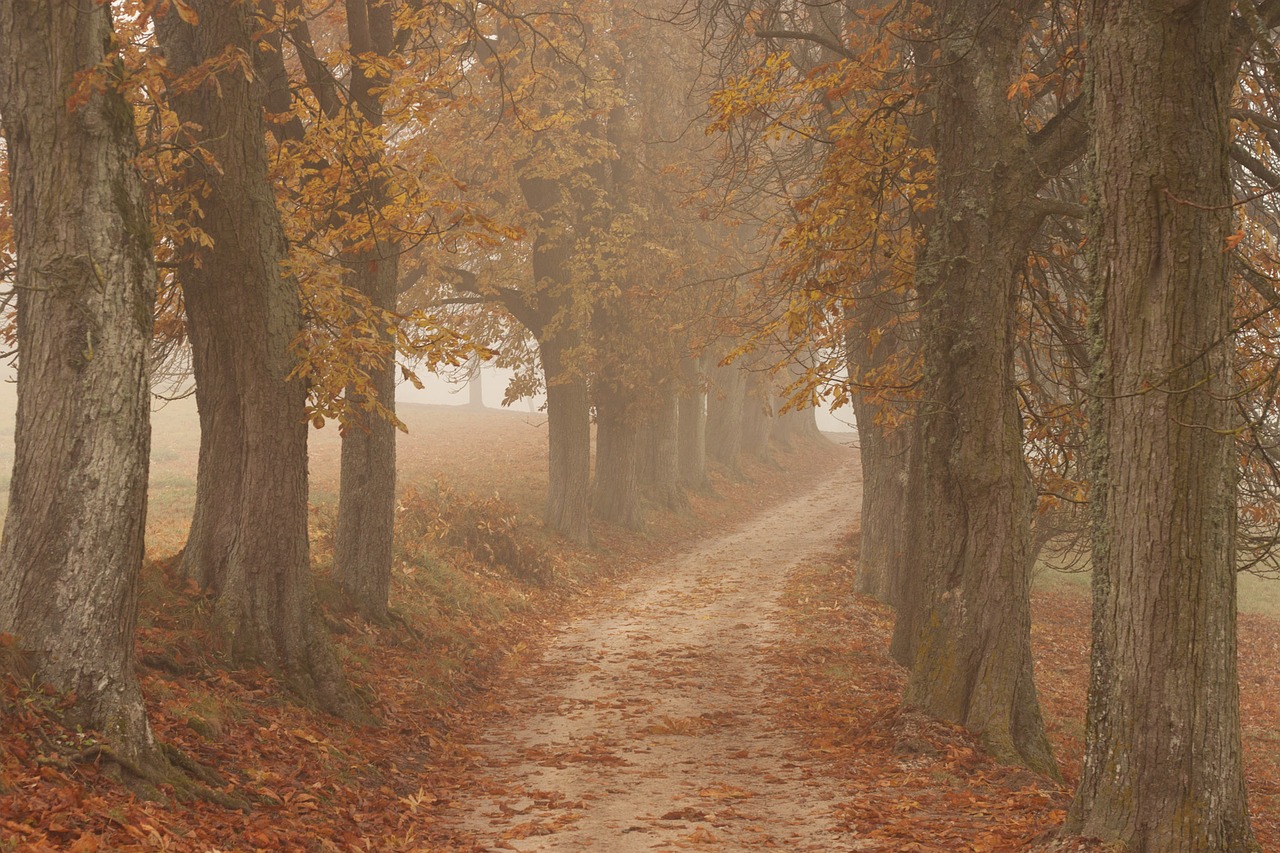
(915, 784)
(317, 783)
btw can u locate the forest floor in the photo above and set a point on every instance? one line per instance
(708, 684)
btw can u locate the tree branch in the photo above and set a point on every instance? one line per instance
(817, 38)
(1063, 140)
(1042, 207)
(1261, 284)
(1256, 167)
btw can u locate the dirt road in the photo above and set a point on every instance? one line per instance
(650, 726)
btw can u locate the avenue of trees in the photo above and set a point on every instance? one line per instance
(1031, 244)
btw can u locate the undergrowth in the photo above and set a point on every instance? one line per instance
(473, 532)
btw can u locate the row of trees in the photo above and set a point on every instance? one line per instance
(1047, 295)
(1015, 373)
(308, 202)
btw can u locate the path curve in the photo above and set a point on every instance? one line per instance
(649, 727)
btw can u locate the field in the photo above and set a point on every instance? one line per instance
(487, 451)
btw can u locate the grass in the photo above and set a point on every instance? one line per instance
(1256, 594)
(490, 451)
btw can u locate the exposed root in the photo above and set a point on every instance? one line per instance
(396, 618)
(167, 663)
(166, 765)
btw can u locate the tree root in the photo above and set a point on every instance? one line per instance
(396, 618)
(167, 765)
(167, 663)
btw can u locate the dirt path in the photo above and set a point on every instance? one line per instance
(650, 726)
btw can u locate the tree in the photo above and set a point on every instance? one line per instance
(357, 203)
(73, 536)
(883, 442)
(1162, 767)
(248, 542)
(692, 423)
(594, 158)
(363, 541)
(972, 498)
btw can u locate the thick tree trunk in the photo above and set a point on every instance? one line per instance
(265, 607)
(972, 495)
(85, 282)
(364, 540)
(555, 317)
(725, 404)
(616, 491)
(569, 443)
(1162, 769)
(692, 440)
(659, 460)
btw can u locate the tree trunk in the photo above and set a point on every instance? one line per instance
(569, 443)
(795, 427)
(222, 428)
(725, 404)
(554, 315)
(692, 440)
(757, 416)
(1162, 769)
(85, 281)
(972, 496)
(265, 608)
(659, 459)
(872, 345)
(616, 492)
(882, 452)
(364, 540)
(475, 383)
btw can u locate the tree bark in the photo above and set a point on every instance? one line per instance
(971, 495)
(659, 460)
(73, 535)
(692, 439)
(365, 537)
(243, 315)
(882, 452)
(872, 345)
(475, 383)
(616, 491)
(725, 403)
(554, 315)
(1162, 769)
(364, 542)
(569, 444)
(758, 416)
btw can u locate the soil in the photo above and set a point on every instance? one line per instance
(651, 725)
